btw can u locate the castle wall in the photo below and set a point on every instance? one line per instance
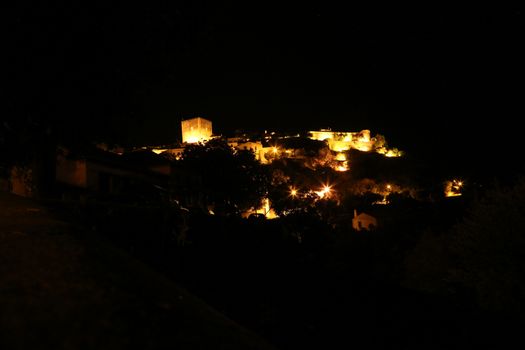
(343, 141)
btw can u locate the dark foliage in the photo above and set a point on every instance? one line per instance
(231, 181)
(311, 148)
(481, 257)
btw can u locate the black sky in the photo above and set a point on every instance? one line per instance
(130, 71)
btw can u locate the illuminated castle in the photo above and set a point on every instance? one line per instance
(196, 130)
(343, 141)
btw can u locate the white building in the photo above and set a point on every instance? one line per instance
(363, 221)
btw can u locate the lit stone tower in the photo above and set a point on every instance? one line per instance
(196, 130)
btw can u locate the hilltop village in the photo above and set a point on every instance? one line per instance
(264, 176)
(265, 146)
(267, 173)
(268, 147)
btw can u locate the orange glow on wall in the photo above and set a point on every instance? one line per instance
(196, 130)
(340, 157)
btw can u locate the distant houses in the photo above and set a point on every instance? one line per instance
(104, 173)
(363, 221)
(110, 173)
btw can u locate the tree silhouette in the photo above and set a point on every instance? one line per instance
(232, 181)
(481, 257)
(489, 246)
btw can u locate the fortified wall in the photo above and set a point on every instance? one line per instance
(343, 141)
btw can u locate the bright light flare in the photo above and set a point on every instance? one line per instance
(293, 192)
(324, 192)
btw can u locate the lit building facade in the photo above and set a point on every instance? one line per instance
(196, 130)
(363, 221)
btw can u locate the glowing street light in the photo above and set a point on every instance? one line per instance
(324, 192)
(293, 192)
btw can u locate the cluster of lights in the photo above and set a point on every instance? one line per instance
(324, 192)
(385, 200)
(453, 188)
(390, 153)
(265, 208)
(342, 162)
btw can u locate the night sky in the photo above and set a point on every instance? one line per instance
(130, 72)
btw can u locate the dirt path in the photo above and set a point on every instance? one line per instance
(62, 289)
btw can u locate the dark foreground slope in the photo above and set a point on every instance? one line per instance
(61, 289)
